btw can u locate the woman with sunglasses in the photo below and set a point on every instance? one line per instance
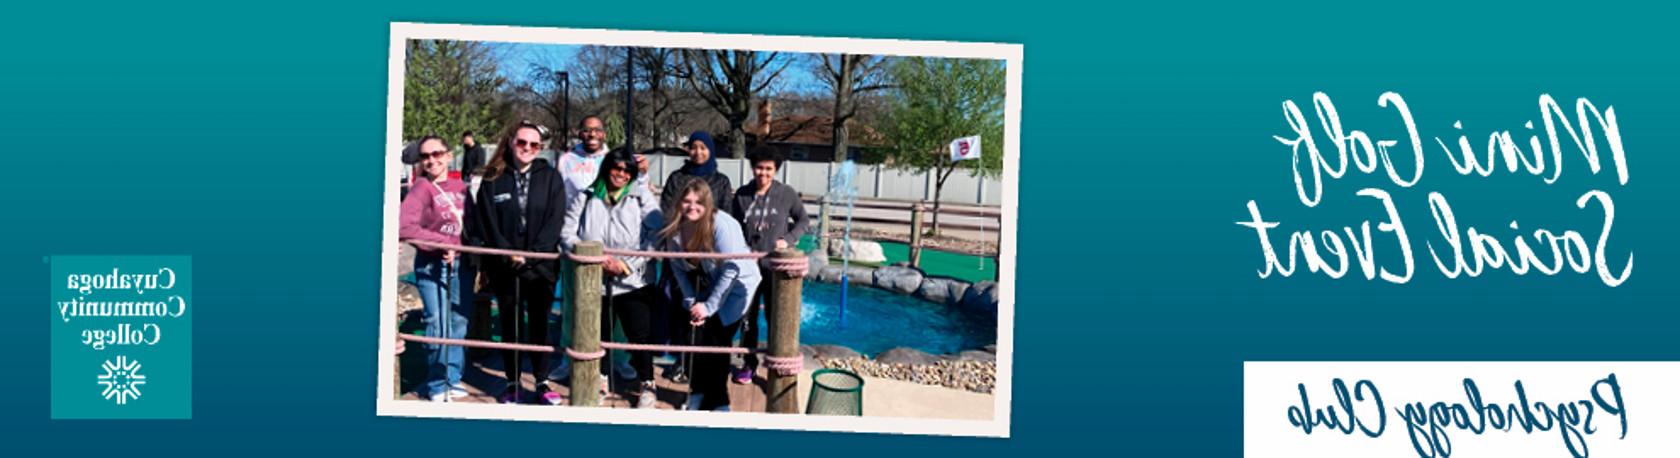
(436, 211)
(522, 201)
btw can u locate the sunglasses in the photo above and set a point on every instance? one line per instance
(440, 152)
(521, 143)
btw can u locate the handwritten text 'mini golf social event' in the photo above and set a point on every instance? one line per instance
(1469, 252)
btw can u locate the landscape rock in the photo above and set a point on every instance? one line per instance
(981, 300)
(904, 280)
(934, 289)
(976, 355)
(861, 250)
(408, 298)
(823, 351)
(956, 289)
(861, 275)
(907, 356)
(827, 274)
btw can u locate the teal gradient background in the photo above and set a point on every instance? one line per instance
(251, 137)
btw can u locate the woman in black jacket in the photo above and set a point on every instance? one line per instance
(522, 203)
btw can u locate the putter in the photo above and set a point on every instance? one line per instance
(518, 360)
(688, 361)
(444, 306)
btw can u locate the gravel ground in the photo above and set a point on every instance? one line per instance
(975, 376)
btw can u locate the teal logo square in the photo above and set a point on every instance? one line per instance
(121, 337)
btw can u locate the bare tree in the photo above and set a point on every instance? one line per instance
(727, 80)
(848, 77)
(663, 102)
(544, 91)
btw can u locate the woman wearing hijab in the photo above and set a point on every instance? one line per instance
(701, 165)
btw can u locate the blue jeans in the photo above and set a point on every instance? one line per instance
(443, 362)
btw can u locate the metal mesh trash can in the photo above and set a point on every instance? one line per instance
(835, 392)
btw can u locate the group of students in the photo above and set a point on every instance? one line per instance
(523, 203)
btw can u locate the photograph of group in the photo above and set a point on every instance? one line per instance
(699, 229)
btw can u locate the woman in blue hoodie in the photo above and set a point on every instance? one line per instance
(714, 292)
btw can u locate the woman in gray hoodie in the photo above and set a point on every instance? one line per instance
(616, 212)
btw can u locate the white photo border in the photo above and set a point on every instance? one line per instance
(998, 426)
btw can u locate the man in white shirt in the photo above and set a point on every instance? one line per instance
(581, 164)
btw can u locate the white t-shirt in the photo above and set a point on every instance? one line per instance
(580, 169)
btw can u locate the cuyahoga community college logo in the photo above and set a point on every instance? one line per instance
(122, 380)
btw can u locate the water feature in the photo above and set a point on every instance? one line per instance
(878, 320)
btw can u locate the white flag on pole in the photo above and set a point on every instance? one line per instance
(965, 148)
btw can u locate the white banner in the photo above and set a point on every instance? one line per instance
(1461, 409)
(965, 148)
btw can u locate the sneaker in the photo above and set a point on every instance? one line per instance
(553, 398)
(459, 393)
(441, 397)
(649, 397)
(743, 375)
(678, 375)
(509, 395)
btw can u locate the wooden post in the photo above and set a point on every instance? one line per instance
(916, 235)
(396, 377)
(586, 327)
(785, 293)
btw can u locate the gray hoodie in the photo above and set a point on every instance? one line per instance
(623, 226)
(779, 214)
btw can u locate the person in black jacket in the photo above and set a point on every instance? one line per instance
(472, 157)
(522, 202)
(773, 217)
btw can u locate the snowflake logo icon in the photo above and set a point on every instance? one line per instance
(122, 380)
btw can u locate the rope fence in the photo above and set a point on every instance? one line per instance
(795, 266)
(782, 358)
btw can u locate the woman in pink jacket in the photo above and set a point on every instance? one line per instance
(435, 211)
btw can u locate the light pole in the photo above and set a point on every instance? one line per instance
(629, 99)
(565, 113)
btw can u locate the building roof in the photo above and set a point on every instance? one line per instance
(814, 130)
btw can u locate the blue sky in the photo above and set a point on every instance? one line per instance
(516, 58)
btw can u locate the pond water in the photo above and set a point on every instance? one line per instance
(878, 320)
